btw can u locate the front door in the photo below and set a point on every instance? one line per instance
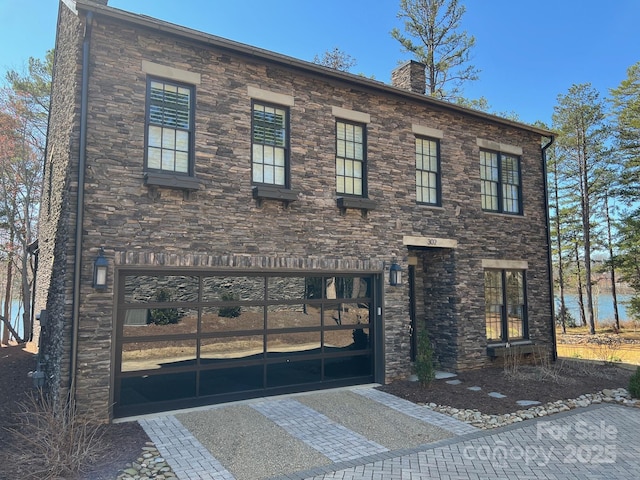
(412, 312)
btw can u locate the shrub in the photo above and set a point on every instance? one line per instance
(565, 314)
(424, 367)
(55, 440)
(634, 384)
(229, 312)
(163, 316)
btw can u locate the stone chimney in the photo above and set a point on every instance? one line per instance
(410, 76)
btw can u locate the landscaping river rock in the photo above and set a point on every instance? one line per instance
(150, 465)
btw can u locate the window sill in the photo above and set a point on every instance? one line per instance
(181, 182)
(430, 205)
(356, 202)
(501, 350)
(262, 192)
(504, 214)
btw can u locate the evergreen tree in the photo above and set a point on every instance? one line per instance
(433, 36)
(580, 118)
(625, 101)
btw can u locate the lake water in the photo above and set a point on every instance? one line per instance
(603, 307)
(16, 314)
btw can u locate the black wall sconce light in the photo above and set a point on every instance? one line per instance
(395, 275)
(100, 266)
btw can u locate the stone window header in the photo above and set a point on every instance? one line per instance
(351, 115)
(427, 131)
(505, 264)
(500, 147)
(170, 73)
(270, 97)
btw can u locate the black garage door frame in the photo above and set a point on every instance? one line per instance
(336, 300)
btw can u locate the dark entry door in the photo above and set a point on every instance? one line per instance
(412, 312)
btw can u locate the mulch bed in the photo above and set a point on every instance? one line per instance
(123, 442)
(572, 379)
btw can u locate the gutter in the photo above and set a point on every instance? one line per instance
(549, 257)
(82, 160)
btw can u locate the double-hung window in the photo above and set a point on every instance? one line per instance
(427, 171)
(505, 305)
(350, 159)
(500, 182)
(270, 145)
(170, 112)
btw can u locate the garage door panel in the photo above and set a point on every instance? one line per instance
(231, 318)
(351, 366)
(294, 373)
(293, 316)
(158, 355)
(350, 339)
(160, 288)
(287, 288)
(228, 349)
(232, 380)
(231, 288)
(303, 342)
(159, 322)
(157, 388)
(346, 314)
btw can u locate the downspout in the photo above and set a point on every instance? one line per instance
(549, 257)
(82, 159)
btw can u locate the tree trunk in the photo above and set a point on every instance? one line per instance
(26, 298)
(583, 318)
(614, 295)
(7, 302)
(8, 292)
(563, 305)
(586, 221)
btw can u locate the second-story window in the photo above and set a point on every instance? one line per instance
(350, 159)
(169, 127)
(500, 182)
(427, 171)
(270, 140)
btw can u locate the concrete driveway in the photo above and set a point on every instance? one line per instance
(362, 433)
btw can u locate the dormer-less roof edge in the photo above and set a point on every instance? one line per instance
(231, 45)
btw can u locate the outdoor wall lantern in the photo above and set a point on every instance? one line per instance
(100, 266)
(395, 275)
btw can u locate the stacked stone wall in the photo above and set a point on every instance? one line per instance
(222, 226)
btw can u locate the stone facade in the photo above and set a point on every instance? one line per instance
(221, 226)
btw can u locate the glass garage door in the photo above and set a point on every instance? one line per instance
(187, 339)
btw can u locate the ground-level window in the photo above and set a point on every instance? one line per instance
(505, 305)
(195, 338)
